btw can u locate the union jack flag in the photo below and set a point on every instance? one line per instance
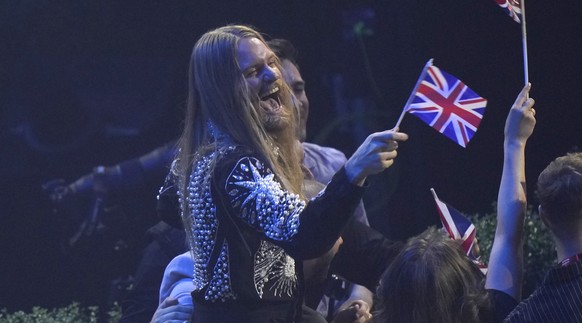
(512, 8)
(456, 224)
(448, 105)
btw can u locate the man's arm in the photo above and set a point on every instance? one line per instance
(177, 280)
(505, 270)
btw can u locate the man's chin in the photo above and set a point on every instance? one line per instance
(276, 121)
(275, 124)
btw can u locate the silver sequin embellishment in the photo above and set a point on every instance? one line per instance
(219, 287)
(273, 265)
(264, 204)
(204, 227)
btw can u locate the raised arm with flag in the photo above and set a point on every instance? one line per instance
(506, 260)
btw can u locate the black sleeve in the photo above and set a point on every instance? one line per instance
(255, 196)
(501, 305)
(364, 255)
(327, 214)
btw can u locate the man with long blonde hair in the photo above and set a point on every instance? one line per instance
(240, 182)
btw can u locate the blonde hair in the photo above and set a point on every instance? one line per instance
(218, 95)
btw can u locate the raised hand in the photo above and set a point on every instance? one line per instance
(521, 120)
(374, 155)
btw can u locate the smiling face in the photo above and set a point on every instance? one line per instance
(292, 76)
(259, 67)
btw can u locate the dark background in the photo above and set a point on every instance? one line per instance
(87, 83)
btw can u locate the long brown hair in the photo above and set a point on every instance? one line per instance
(432, 280)
(218, 94)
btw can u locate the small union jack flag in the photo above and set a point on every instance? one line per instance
(456, 224)
(512, 8)
(448, 105)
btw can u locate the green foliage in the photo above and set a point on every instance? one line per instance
(72, 313)
(539, 251)
(114, 313)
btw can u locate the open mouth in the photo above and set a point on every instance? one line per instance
(270, 101)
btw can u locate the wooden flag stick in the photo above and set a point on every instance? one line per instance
(524, 43)
(434, 193)
(413, 93)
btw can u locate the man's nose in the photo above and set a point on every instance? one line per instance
(271, 74)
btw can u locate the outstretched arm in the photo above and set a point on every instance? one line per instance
(506, 261)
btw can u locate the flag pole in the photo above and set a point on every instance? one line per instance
(434, 193)
(524, 43)
(413, 93)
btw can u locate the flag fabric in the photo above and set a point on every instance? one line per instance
(482, 266)
(512, 8)
(456, 224)
(448, 105)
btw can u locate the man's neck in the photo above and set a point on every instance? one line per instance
(568, 245)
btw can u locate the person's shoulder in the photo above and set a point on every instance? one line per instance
(243, 167)
(528, 305)
(324, 151)
(226, 160)
(242, 155)
(177, 279)
(180, 262)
